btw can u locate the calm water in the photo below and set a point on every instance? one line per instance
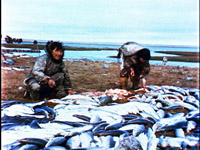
(103, 55)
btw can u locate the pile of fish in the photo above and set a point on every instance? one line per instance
(160, 117)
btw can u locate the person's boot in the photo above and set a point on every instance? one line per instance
(26, 94)
(123, 82)
(34, 95)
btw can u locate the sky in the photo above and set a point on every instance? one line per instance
(171, 22)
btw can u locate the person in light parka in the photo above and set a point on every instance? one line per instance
(49, 77)
(134, 60)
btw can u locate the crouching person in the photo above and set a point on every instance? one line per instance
(134, 65)
(49, 77)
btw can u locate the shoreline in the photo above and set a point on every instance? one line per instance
(179, 56)
(157, 62)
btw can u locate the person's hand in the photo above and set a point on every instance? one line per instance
(70, 92)
(132, 72)
(51, 83)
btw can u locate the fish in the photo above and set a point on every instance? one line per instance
(175, 121)
(36, 141)
(55, 141)
(130, 116)
(136, 129)
(191, 125)
(51, 111)
(176, 142)
(107, 141)
(114, 125)
(76, 97)
(79, 129)
(17, 110)
(104, 100)
(192, 100)
(145, 121)
(152, 139)
(29, 147)
(73, 142)
(100, 127)
(95, 118)
(9, 126)
(148, 116)
(8, 103)
(140, 121)
(82, 117)
(54, 148)
(161, 113)
(107, 115)
(193, 115)
(86, 139)
(35, 125)
(143, 140)
(179, 133)
(40, 111)
(176, 89)
(110, 132)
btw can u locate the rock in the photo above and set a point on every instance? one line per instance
(105, 66)
(8, 62)
(189, 79)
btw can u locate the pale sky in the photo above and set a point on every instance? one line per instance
(145, 21)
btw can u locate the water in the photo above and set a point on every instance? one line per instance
(103, 55)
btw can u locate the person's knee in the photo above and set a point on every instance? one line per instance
(35, 86)
(58, 78)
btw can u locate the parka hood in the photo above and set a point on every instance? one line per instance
(131, 48)
(50, 46)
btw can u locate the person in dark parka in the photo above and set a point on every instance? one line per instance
(49, 77)
(134, 65)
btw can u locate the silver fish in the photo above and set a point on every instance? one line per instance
(161, 113)
(143, 140)
(190, 125)
(193, 115)
(55, 141)
(179, 133)
(107, 141)
(29, 147)
(79, 129)
(86, 139)
(177, 142)
(173, 122)
(135, 128)
(36, 141)
(152, 140)
(54, 148)
(73, 142)
(114, 125)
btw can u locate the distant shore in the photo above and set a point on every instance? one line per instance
(182, 56)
